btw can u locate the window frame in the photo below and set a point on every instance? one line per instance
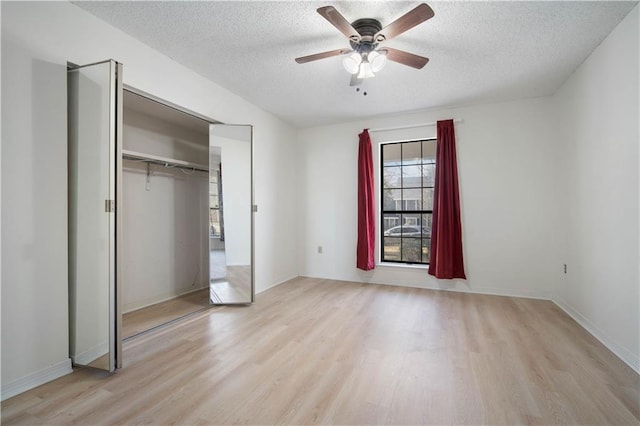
(381, 208)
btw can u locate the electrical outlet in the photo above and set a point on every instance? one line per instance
(319, 249)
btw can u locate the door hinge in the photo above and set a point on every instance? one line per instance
(109, 206)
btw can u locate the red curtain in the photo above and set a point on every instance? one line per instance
(366, 205)
(446, 230)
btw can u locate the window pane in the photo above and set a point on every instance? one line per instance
(391, 248)
(411, 176)
(389, 222)
(427, 199)
(412, 199)
(391, 154)
(426, 247)
(412, 220)
(391, 199)
(429, 151)
(411, 250)
(392, 177)
(426, 225)
(214, 222)
(411, 153)
(428, 175)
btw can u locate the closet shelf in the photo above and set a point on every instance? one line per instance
(163, 161)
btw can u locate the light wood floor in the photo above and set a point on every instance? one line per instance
(147, 318)
(318, 351)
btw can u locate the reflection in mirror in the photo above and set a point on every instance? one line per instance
(230, 215)
(218, 261)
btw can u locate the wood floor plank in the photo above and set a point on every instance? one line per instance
(314, 351)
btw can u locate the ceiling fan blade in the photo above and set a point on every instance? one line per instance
(355, 81)
(405, 58)
(407, 21)
(330, 53)
(337, 20)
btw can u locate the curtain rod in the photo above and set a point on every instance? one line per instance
(411, 126)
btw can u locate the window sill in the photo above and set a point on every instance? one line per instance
(401, 265)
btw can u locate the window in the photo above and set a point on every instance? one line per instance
(216, 228)
(408, 174)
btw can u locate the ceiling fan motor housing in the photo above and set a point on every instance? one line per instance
(367, 28)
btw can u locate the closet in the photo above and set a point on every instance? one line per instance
(165, 239)
(161, 213)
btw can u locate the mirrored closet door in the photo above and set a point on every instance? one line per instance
(231, 210)
(94, 97)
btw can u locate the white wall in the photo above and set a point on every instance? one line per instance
(165, 247)
(38, 38)
(598, 129)
(507, 173)
(34, 215)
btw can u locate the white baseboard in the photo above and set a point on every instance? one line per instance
(489, 291)
(36, 379)
(277, 283)
(624, 354)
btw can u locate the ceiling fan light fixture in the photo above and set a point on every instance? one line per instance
(352, 63)
(365, 70)
(377, 60)
(365, 34)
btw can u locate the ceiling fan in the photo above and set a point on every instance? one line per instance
(365, 35)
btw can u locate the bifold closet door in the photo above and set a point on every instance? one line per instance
(94, 117)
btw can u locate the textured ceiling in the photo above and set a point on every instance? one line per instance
(479, 51)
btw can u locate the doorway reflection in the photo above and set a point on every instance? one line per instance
(230, 214)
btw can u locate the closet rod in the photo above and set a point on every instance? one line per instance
(162, 161)
(410, 126)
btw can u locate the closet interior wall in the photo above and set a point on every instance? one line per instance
(165, 247)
